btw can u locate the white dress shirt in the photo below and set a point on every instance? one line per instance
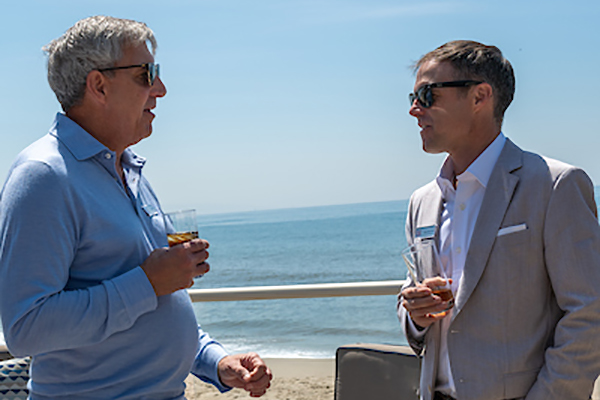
(459, 214)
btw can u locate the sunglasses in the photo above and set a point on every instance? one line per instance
(424, 94)
(152, 70)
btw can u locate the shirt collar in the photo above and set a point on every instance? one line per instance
(131, 159)
(445, 178)
(83, 145)
(483, 165)
(480, 169)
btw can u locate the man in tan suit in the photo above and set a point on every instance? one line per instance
(518, 236)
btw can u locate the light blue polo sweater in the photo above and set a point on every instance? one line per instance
(72, 293)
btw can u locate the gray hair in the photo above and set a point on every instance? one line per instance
(473, 60)
(92, 43)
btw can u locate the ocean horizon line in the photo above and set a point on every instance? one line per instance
(313, 213)
(293, 208)
(360, 203)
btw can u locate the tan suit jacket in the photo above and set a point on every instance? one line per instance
(526, 322)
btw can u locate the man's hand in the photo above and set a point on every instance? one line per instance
(174, 268)
(422, 305)
(245, 371)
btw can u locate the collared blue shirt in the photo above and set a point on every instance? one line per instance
(72, 292)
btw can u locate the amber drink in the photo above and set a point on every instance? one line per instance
(181, 227)
(182, 237)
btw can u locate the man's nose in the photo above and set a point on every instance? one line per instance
(415, 109)
(158, 89)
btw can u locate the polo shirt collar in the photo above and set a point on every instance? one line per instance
(84, 146)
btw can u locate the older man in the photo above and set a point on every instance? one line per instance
(88, 286)
(517, 234)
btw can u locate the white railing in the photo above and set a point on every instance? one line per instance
(376, 288)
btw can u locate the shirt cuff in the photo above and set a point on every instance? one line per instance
(417, 333)
(206, 365)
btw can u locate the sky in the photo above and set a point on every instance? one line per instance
(297, 103)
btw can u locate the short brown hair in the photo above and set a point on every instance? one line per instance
(473, 60)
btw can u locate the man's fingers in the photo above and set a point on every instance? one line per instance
(260, 381)
(419, 297)
(197, 245)
(247, 371)
(195, 254)
(436, 282)
(202, 269)
(422, 306)
(416, 292)
(260, 375)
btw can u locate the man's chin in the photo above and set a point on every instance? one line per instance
(142, 137)
(429, 145)
(148, 132)
(430, 149)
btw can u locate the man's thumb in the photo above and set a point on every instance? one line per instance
(243, 373)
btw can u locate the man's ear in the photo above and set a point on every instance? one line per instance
(95, 86)
(483, 95)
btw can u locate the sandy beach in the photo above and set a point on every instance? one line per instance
(293, 379)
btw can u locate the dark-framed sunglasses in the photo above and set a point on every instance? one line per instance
(152, 70)
(424, 94)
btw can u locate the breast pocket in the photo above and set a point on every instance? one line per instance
(513, 235)
(154, 222)
(516, 257)
(507, 230)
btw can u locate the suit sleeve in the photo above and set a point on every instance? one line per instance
(572, 257)
(415, 337)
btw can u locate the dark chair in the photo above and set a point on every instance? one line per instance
(376, 372)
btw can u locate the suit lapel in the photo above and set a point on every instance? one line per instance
(431, 209)
(424, 210)
(496, 200)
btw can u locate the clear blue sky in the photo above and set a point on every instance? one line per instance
(293, 103)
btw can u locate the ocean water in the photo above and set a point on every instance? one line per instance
(347, 243)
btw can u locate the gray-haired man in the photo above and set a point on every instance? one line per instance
(88, 286)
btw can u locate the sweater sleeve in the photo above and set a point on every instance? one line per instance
(205, 367)
(39, 234)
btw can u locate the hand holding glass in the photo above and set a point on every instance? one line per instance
(181, 226)
(423, 263)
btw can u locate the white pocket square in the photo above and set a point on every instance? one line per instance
(512, 229)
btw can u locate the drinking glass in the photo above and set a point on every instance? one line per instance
(181, 226)
(423, 263)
